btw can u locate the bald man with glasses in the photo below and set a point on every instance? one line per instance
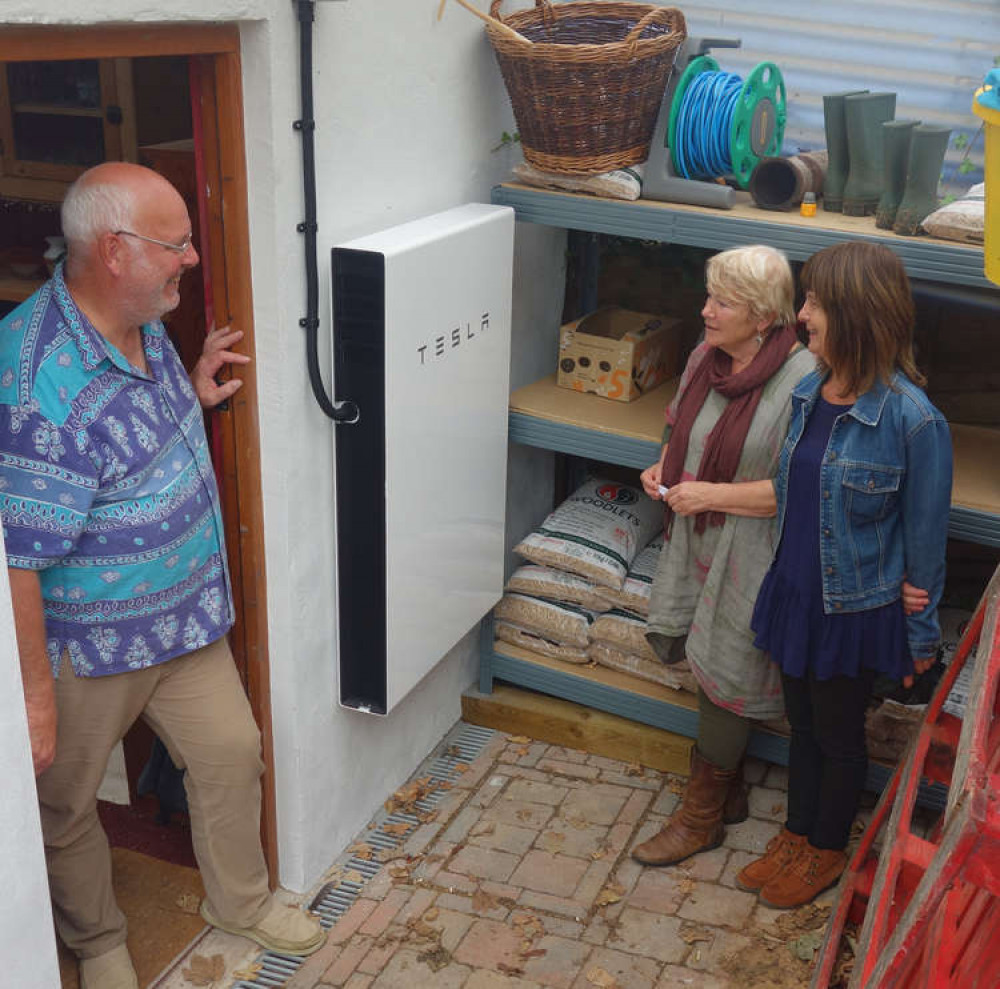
(117, 565)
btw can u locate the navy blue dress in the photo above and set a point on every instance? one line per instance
(788, 618)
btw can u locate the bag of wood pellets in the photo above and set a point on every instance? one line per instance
(623, 631)
(506, 632)
(622, 183)
(557, 585)
(556, 621)
(962, 220)
(889, 728)
(596, 532)
(634, 595)
(677, 677)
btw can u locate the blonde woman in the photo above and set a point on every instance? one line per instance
(725, 430)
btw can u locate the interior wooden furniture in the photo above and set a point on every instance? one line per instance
(59, 117)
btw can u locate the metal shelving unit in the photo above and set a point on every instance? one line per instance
(926, 258)
(975, 515)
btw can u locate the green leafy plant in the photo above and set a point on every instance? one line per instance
(963, 143)
(507, 140)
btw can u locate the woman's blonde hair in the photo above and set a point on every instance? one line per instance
(864, 292)
(756, 276)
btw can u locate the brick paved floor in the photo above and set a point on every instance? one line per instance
(523, 879)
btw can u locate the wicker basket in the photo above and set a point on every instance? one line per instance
(587, 80)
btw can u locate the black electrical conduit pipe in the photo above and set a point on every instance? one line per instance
(339, 412)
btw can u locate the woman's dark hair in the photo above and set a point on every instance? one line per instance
(863, 290)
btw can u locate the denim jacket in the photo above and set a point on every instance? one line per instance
(885, 495)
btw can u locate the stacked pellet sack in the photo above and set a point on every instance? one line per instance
(548, 611)
(583, 547)
(618, 637)
(584, 593)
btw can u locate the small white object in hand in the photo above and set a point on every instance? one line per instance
(663, 489)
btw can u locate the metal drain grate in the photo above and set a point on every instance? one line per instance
(461, 745)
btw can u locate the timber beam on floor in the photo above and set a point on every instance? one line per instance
(559, 722)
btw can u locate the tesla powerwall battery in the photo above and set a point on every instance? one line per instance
(422, 346)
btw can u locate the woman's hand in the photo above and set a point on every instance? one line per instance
(751, 499)
(650, 477)
(921, 666)
(915, 599)
(692, 497)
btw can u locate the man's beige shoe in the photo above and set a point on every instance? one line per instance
(112, 970)
(283, 929)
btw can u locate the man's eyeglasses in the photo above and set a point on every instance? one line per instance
(180, 248)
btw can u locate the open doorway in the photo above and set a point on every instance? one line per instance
(169, 98)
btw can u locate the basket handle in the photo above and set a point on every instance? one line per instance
(659, 15)
(492, 20)
(549, 15)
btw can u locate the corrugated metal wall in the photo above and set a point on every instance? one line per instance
(933, 55)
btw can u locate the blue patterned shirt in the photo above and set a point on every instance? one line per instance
(107, 489)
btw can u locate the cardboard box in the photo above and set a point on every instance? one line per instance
(617, 353)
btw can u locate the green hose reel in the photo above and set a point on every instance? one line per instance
(757, 126)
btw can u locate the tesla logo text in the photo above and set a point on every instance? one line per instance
(446, 342)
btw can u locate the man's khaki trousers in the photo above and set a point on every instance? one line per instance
(197, 706)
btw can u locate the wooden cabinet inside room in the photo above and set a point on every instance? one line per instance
(57, 118)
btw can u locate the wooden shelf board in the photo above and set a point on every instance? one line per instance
(642, 419)
(976, 484)
(851, 226)
(60, 110)
(602, 676)
(184, 145)
(928, 258)
(745, 211)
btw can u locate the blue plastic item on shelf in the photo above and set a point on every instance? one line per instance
(989, 95)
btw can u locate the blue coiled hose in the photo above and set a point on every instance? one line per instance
(704, 123)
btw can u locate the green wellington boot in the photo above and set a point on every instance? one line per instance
(864, 116)
(927, 149)
(895, 158)
(836, 149)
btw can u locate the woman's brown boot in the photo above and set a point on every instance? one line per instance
(809, 873)
(736, 809)
(782, 849)
(697, 824)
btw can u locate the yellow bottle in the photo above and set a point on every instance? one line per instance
(808, 207)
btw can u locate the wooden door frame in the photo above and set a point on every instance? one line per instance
(218, 49)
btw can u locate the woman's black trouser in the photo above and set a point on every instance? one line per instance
(828, 758)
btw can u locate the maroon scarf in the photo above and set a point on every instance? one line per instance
(724, 444)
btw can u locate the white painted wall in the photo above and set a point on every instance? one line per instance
(407, 109)
(27, 940)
